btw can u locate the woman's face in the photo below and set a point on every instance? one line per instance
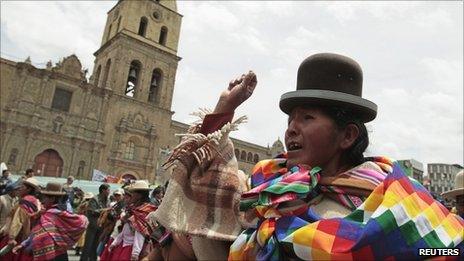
(312, 138)
(460, 204)
(47, 201)
(23, 190)
(135, 197)
(127, 197)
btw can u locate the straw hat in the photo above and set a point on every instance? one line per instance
(32, 182)
(139, 185)
(118, 192)
(458, 186)
(53, 189)
(88, 195)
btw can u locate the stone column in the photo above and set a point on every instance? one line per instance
(31, 136)
(75, 147)
(44, 83)
(151, 170)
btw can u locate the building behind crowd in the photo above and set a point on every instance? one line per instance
(441, 176)
(413, 169)
(118, 121)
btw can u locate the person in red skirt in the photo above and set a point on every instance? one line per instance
(121, 219)
(131, 243)
(25, 216)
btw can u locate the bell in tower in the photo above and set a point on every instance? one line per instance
(140, 37)
(155, 83)
(132, 75)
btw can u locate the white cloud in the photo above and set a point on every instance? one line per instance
(52, 30)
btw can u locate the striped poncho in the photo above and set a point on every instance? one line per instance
(56, 232)
(391, 221)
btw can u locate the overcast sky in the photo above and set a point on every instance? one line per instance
(411, 54)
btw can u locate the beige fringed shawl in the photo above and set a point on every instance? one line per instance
(204, 191)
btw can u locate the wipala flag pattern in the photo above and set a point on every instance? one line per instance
(397, 219)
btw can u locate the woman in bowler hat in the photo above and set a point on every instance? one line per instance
(320, 200)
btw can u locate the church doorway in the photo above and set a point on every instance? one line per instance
(128, 177)
(48, 163)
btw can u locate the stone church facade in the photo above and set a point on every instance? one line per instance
(119, 121)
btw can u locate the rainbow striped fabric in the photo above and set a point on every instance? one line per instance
(393, 222)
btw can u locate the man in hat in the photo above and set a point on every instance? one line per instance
(57, 229)
(130, 243)
(82, 209)
(457, 194)
(321, 200)
(108, 219)
(7, 202)
(96, 206)
(24, 216)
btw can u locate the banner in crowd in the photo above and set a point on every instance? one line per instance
(3, 167)
(112, 179)
(101, 176)
(98, 175)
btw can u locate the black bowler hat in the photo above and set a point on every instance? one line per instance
(330, 80)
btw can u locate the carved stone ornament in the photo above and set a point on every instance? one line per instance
(70, 66)
(57, 124)
(136, 121)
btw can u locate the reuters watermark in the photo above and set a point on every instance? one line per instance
(439, 252)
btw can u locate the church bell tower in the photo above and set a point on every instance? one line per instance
(135, 67)
(138, 53)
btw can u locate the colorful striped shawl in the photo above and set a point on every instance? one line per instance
(138, 218)
(396, 219)
(56, 232)
(30, 204)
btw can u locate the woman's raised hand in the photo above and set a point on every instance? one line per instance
(239, 90)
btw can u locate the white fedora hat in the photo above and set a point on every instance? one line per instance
(118, 192)
(88, 195)
(32, 182)
(458, 186)
(139, 185)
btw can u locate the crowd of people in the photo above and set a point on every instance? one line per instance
(43, 223)
(321, 200)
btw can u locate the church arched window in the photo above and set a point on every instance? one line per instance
(119, 24)
(255, 158)
(133, 78)
(143, 26)
(97, 76)
(107, 71)
(163, 35)
(243, 155)
(237, 153)
(109, 32)
(250, 157)
(80, 169)
(130, 151)
(13, 156)
(155, 85)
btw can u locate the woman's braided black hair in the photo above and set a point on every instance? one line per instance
(342, 117)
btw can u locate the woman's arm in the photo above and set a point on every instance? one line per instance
(139, 239)
(117, 239)
(20, 217)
